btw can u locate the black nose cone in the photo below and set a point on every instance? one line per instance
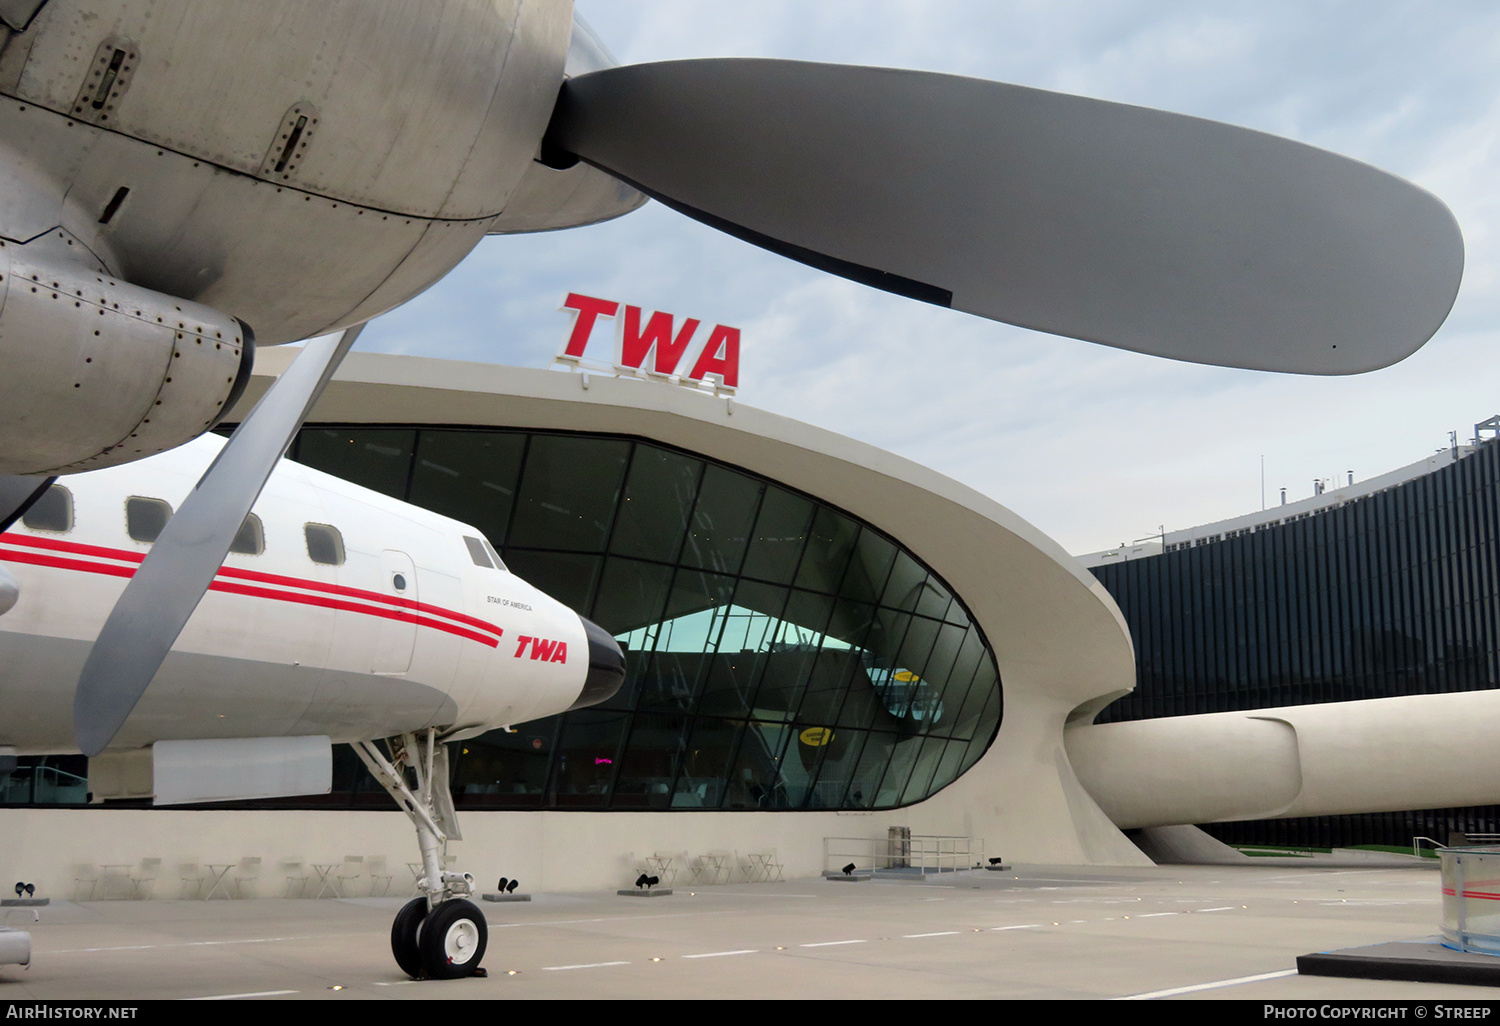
(606, 667)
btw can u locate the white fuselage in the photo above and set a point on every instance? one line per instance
(407, 632)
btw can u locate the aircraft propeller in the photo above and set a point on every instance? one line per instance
(17, 493)
(1131, 227)
(156, 604)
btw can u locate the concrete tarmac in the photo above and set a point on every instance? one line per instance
(1170, 932)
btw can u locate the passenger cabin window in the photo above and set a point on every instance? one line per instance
(145, 518)
(251, 539)
(324, 544)
(477, 553)
(52, 512)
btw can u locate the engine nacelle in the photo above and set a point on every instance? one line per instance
(96, 372)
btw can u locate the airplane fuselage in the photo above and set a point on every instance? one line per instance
(405, 631)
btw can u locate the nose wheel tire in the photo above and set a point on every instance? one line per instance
(404, 932)
(452, 940)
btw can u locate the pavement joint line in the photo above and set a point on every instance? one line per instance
(182, 944)
(585, 965)
(1172, 992)
(744, 894)
(830, 944)
(236, 997)
(721, 954)
(611, 919)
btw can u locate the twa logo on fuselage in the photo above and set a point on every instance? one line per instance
(655, 344)
(542, 649)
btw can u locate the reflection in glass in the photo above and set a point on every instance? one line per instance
(657, 505)
(469, 476)
(376, 458)
(779, 653)
(569, 489)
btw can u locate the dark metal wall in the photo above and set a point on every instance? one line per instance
(1397, 593)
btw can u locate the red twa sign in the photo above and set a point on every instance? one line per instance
(655, 345)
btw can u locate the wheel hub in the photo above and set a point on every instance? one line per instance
(462, 939)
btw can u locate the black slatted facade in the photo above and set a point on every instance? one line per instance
(1396, 593)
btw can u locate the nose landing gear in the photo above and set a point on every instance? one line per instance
(404, 936)
(442, 935)
(447, 944)
(453, 939)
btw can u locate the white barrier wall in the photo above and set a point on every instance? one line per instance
(1380, 755)
(1009, 799)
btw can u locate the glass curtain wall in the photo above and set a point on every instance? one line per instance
(780, 654)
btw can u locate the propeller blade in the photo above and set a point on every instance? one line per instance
(17, 493)
(162, 595)
(1123, 225)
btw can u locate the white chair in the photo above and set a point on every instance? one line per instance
(376, 868)
(142, 881)
(721, 865)
(296, 877)
(353, 869)
(248, 870)
(191, 875)
(85, 879)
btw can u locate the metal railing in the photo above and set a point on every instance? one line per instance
(1474, 839)
(1416, 845)
(915, 853)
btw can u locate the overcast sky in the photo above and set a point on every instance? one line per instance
(1093, 445)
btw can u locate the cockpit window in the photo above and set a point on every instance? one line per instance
(484, 554)
(324, 544)
(146, 518)
(477, 553)
(499, 563)
(52, 512)
(251, 539)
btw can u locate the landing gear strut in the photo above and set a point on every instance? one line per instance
(441, 935)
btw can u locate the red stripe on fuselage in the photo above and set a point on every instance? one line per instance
(359, 593)
(354, 607)
(386, 607)
(42, 559)
(78, 548)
